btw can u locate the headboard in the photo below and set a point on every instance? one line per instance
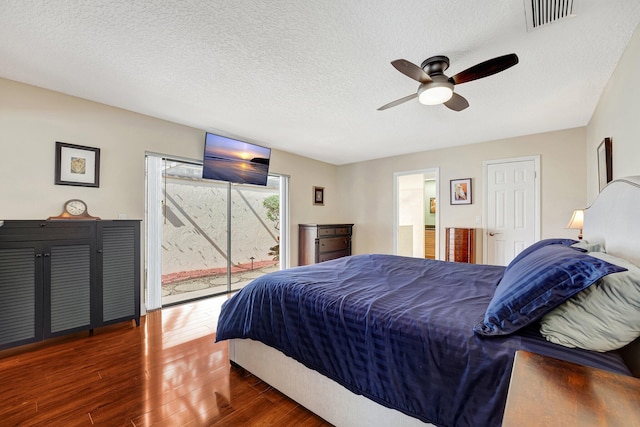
(613, 218)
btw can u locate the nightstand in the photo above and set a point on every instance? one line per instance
(549, 392)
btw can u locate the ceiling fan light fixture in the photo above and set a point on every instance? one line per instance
(435, 93)
(436, 88)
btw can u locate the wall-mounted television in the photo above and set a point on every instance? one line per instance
(240, 162)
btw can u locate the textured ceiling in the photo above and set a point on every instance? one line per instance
(308, 76)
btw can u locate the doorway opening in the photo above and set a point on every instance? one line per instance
(416, 215)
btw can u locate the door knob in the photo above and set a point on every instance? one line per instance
(491, 233)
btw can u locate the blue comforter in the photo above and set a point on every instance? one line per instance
(396, 330)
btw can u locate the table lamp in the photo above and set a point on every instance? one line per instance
(576, 221)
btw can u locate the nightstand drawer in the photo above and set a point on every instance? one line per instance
(334, 244)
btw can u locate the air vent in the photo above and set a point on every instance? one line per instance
(543, 12)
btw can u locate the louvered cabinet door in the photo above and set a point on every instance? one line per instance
(68, 268)
(20, 294)
(118, 271)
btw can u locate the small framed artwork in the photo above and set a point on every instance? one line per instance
(605, 163)
(461, 191)
(77, 165)
(432, 205)
(318, 195)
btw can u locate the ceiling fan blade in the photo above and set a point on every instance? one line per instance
(398, 101)
(410, 69)
(457, 102)
(485, 69)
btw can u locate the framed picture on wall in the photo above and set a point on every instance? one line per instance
(432, 205)
(77, 165)
(318, 195)
(461, 191)
(605, 163)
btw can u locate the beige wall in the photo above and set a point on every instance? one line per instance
(618, 116)
(367, 187)
(33, 119)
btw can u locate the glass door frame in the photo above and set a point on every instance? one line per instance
(154, 211)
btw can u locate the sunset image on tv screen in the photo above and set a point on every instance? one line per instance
(227, 159)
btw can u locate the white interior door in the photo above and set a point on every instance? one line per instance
(512, 208)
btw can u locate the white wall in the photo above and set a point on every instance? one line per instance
(563, 168)
(617, 116)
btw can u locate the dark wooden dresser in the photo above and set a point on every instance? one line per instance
(322, 242)
(460, 244)
(549, 392)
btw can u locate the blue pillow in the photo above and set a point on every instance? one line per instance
(541, 244)
(538, 283)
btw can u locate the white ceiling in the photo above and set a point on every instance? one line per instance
(308, 76)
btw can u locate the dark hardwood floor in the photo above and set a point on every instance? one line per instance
(166, 372)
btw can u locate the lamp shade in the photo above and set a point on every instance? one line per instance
(577, 220)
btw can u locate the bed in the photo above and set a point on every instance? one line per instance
(387, 340)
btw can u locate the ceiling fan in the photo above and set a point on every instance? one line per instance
(436, 88)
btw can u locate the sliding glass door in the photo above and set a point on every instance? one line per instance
(214, 237)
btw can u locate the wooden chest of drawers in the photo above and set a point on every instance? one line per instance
(460, 244)
(322, 242)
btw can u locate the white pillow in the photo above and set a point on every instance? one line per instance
(603, 317)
